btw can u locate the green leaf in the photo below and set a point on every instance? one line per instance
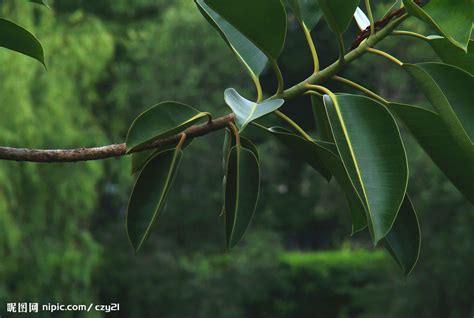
(149, 195)
(451, 54)
(454, 22)
(403, 241)
(323, 157)
(139, 159)
(307, 12)
(247, 53)
(263, 22)
(247, 111)
(338, 13)
(163, 120)
(450, 91)
(370, 146)
(453, 155)
(42, 2)
(18, 39)
(241, 192)
(323, 129)
(307, 151)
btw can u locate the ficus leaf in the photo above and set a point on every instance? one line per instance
(323, 157)
(306, 150)
(247, 53)
(403, 241)
(18, 39)
(42, 2)
(450, 90)
(247, 111)
(263, 22)
(451, 54)
(149, 195)
(370, 146)
(241, 192)
(453, 155)
(307, 12)
(139, 159)
(163, 120)
(338, 13)
(453, 21)
(323, 129)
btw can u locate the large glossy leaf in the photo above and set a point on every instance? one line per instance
(149, 195)
(451, 54)
(323, 129)
(241, 192)
(307, 11)
(247, 53)
(139, 159)
(163, 120)
(370, 146)
(403, 241)
(338, 13)
(450, 91)
(307, 151)
(18, 39)
(452, 20)
(263, 22)
(323, 157)
(453, 155)
(247, 111)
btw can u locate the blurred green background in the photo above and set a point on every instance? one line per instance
(62, 227)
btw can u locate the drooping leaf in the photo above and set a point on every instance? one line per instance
(338, 13)
(163, 120)
(263, 22)
(320, 154)
(361, 19)
(307, 11)
(307, 151)
(139, 159)
(451, 20)
(453, 155)
(247, 53)
(450, 90)
(149, 195)
(403, 241)
(451, 54)
(18, 39)
(370, 146)
(241, 192)
(247, 111)
(323, 129)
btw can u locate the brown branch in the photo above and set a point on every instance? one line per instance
(380, 24)
(109, 151)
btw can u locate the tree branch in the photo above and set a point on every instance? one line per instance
(109, 151)
(118, 150)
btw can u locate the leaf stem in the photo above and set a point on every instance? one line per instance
(235, 131)
(312, 47)
(409, 33)
(340, 43)
(258, 87)
(293, 124)
(279, 76)
(181, 141)
(386, 55)
(360, 88)
(371, 17)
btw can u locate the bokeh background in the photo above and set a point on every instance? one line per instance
(62, 226)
